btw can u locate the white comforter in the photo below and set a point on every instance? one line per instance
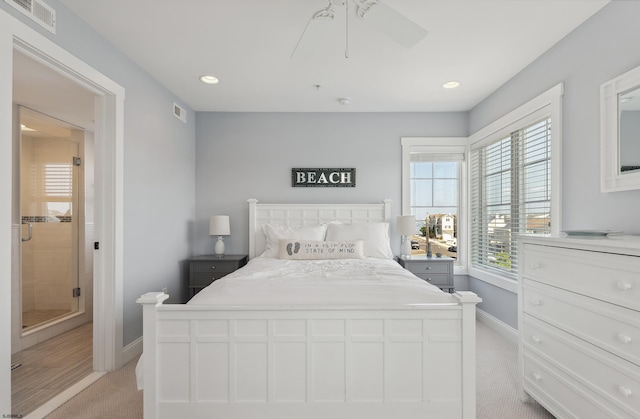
(336, 282)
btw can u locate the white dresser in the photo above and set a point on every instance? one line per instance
(579, 304)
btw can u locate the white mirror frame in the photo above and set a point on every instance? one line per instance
(611, 177)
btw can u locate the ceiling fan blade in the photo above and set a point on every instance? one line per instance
(396, 26)
(316, 31)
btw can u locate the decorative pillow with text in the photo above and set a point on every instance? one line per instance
(314, 249)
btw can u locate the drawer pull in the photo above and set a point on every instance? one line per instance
(536, 303)
(624, 286)
(429, 279)
(536, 376)
(213, 267)
(626, 392)
(536, 339)
(428, 268)
(624, 338)
(535, 265)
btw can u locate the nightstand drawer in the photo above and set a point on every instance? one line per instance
(205, 269)
(210, 266)
(436, 279)
(428, 267)
(203, 280)
(436, 271)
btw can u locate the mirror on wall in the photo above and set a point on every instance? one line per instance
(620, 132)
(629, 130)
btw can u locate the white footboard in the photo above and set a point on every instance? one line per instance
(203, 362)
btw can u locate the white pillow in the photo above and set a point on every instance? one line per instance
(274, 233)
(312, 249)
(374, 235)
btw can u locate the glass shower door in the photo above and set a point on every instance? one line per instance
(49, 212)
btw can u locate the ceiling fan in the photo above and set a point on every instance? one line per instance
(387, 20)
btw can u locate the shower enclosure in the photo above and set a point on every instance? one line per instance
(50, 210)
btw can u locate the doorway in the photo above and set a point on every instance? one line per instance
(107, 107)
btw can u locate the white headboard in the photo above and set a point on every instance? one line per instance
(309, 214)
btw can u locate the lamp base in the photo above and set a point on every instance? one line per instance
(406, 247)
(218, 249)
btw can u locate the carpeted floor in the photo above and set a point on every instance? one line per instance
(115, 396)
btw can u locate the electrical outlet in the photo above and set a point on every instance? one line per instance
(164, 290)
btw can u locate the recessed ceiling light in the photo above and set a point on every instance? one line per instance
(209, 79)
(451, 84)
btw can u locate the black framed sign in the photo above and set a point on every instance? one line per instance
(323, 178)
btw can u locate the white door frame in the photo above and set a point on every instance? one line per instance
(109, 135)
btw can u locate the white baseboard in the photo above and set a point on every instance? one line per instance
(131, 351)
(497, 326)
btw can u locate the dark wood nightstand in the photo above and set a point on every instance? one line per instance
(205, 269)
(435, 270)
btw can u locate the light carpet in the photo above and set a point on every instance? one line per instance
(115, 396)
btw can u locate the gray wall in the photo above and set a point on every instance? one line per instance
(250, 155)
(602, 48)
(159, 174)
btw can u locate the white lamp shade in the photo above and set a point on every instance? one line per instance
(406, 225)
(219, 225)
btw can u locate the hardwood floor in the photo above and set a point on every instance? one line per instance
(50, 367)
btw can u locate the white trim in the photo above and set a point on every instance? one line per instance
(496, 280)
(498, 326)
(132, 351)
(108, 268)
(6, 202)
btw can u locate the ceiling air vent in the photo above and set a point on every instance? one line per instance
(179, 113)
(38, 11)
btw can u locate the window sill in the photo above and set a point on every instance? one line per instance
(495, 280)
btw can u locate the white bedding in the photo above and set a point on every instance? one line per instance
(335, 282)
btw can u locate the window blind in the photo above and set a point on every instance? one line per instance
(58, 181)
(510, 194)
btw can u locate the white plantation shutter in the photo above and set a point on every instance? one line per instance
(510, 194)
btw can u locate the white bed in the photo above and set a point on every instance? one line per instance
(348, 338)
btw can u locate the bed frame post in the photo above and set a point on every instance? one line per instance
(252, 227)
(387, 209)
(149, 302)
(468, 301)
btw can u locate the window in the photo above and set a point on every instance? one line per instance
(513, 185)
(510, 194)
(433, 185)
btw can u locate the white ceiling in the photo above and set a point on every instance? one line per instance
(247, 45)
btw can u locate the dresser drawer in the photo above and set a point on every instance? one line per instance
(605, 276)
(615, 379)
(563, 396)
(613, 328)
(214, 266)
